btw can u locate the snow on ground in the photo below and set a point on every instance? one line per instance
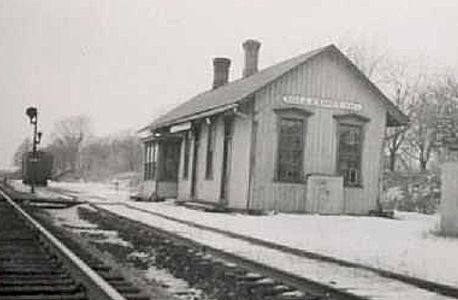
(40, 191)
(93, 191)
(406, 245)
(69, 218)
(175, 286)
(360, 282)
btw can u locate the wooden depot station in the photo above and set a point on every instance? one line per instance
(304, 135)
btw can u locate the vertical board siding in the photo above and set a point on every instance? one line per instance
(240, 163)
(184, 184)
(325, 76)
(167, 189)
(209, 189)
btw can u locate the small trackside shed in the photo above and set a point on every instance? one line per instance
(304, 135)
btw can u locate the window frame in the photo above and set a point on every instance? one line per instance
(150, 160)
(298, 114)
(357, 121)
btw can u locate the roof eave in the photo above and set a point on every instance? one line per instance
(396, 121)
(398, 117)
(194, 116)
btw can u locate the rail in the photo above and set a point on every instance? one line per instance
(96, 286)
(321, 291)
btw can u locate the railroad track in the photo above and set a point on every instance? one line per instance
(34, 264)
(442, 289)
(182, 247)
(210, 269)
(236, 277)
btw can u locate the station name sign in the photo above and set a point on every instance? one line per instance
(321, 102)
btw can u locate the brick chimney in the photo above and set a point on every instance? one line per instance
(220, 71)
(251, 48)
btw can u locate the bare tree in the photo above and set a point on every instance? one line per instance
(403, 89)
(95, 158)
(68, 136)
(395, 80)
(395, 137)
(107, 156)
(429, 134)
(447, 95)
(422, 136)
(370, 58)
(128, 147)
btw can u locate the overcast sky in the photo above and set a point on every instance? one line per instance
(124, 62)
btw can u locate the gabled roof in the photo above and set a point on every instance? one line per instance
(238, 90)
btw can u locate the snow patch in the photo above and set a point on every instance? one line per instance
(173, 285)
(408, 244)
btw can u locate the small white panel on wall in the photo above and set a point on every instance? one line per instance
(325, 194)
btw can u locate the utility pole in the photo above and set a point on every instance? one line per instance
(32, 113)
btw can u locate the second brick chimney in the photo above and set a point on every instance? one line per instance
(220, 71)
(251, 48)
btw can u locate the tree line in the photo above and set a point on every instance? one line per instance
(77, 153)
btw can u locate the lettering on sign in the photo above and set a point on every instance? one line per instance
(321, 102)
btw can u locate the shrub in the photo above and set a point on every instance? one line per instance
(416, 192)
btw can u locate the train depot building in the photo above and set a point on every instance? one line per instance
(304, 135)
